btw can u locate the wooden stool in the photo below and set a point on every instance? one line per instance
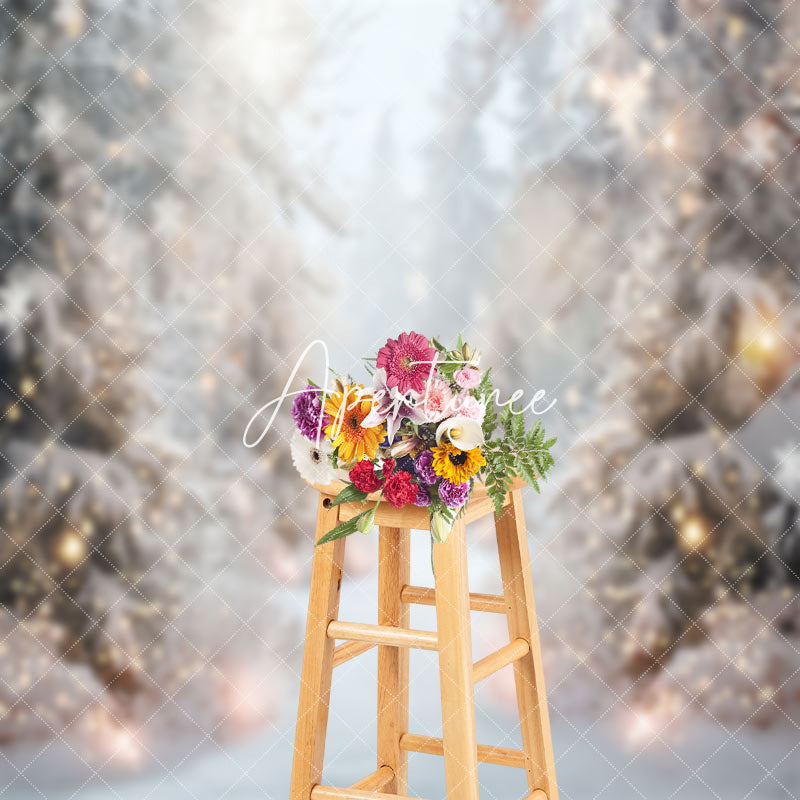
(453, 642)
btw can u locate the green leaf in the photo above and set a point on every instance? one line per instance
(448, 370)
(497, 499)
(348, 495)
(344, 529)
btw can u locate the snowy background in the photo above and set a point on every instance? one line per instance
(601, 195)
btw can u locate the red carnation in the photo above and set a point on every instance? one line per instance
(364, 478)
(387, 467)
(399, 489)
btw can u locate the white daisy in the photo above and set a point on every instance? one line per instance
(312, 462)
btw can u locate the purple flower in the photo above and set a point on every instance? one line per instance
(306, 412)
(406, 463)
(454, 495)
(423, 466)
(423, 498)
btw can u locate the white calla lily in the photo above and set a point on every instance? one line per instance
(462, 432)
(440, 529)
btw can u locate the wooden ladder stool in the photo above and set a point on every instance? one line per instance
(393, 638)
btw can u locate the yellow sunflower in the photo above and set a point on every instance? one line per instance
(346, 410)
(457, 466)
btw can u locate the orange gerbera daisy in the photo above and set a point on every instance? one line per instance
(347, 409)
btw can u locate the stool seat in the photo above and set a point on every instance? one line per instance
(414, 517)
(452, 642)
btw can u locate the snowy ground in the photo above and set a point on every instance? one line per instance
(596, 768)
(704, 766)
(602, 760)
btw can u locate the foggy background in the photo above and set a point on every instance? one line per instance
(600, 195)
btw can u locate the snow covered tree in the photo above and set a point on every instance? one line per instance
(148, 306)
(683, 166)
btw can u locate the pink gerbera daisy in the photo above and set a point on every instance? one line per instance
(404, 360)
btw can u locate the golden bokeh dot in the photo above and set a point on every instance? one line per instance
(694, 530)
(72, 548)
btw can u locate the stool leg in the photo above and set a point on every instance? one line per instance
(315, 683)
(512, 544)
(393, 574)
(455, 666)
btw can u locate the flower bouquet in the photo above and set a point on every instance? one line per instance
(422, 435)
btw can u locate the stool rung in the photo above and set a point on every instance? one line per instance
(333, 793)
(382, 634)
(513, 651)
(414, 743)
(344, 652)
(375, 781)
(422, 596)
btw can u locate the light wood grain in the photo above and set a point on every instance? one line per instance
(383, 634)
(480, 507)
(315, 681)
(413, 517)
(376, 781)
(506, 655)
(393, 637)
(478, 488)
(393, 573)
(489, 754)
(423, 596)
(407, 517)
(512, 545)
(344, 652)
(455, 666)
(333, 793)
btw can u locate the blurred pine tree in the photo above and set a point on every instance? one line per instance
(685, 165)
(152, 296)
